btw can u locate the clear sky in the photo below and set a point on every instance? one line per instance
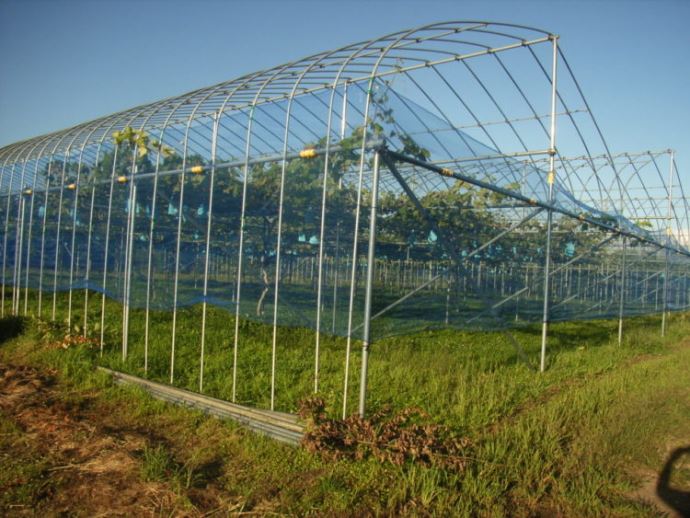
(69, 61)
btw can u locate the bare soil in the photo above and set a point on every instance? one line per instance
(671, 498)
(93, 467)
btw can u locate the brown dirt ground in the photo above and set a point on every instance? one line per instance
(676, 503)
(647, 493)
(93, 469)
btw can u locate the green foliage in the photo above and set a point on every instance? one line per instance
(22, 477)
(157, 463)
(139, 141)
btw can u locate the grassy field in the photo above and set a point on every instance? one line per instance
(577, 440)
(438, 370)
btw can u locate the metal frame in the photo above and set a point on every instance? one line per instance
(447, 107)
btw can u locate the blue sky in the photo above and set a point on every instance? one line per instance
(65, 62)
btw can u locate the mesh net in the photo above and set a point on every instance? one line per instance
(231, 237)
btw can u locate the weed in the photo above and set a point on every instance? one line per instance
(157, 464)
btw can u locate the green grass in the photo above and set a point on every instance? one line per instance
(22, 475)
(571, 440)
(437, 370)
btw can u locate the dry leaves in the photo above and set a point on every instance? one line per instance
(396, 438)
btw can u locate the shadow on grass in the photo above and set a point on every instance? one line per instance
(565, 335)
(677, 499)
(11, 327)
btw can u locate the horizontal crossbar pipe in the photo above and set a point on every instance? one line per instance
(482, 208)
(305, 153)
(503, 121)
(496, 156)
(507, 192)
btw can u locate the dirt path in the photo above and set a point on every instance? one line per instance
(555, 390)
(86, 469)
(647, 492)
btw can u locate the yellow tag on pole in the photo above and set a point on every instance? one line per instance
(307, 153)
(551, 177)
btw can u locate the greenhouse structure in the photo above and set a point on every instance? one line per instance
(271, 228)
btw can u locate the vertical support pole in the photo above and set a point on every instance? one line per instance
(214, 139)
(57, 233)
(20, 247)
(276, 288)
(75, 209)
(4, 245)
(125, 263)
(43, 236)
(176, 280)
(5, 240)
(279, 241)
(30, 236)
(322, 233)
(622, 293)
(366, 337)
(18, 244)
(17, 253)
(319, 287)
(343, 117)
(664, 304)
(87, 272)
(240, 253)
(549, 217)
(447, 298)
(621, 308)
(128, 264)
(355, 237)
(107, 244)
(656, 296)
(336, 270)
(28, 247)
(149, 267)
